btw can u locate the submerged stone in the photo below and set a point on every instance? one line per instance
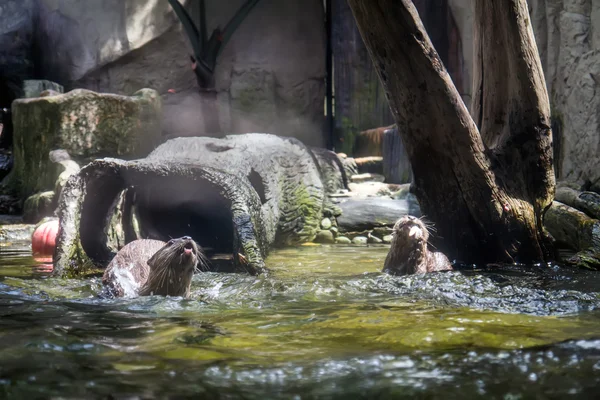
(325, 223)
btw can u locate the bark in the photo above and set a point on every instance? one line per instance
(487, 192)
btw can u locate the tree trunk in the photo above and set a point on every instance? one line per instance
(486, 192)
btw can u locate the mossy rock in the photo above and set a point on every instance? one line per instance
(87, 125)
(38, 206)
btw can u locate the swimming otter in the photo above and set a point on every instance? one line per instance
(145, 267)
(409, 253)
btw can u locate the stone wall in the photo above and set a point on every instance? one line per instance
(568, 38)
(270, 76)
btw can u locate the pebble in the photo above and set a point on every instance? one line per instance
(360, 240)
(343, 240)
(325, 237)
(325, 223)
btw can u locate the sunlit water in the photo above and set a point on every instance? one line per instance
(325, 323)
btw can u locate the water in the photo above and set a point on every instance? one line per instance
(324, 324)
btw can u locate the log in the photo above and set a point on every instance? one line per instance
(239, 195)
(485, 191)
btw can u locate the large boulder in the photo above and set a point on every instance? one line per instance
(87, 125)
(239, 196)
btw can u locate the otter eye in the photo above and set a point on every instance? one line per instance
(170, 242)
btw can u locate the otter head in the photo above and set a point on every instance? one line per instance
(172, 268)
(408, 247)
(410, 229)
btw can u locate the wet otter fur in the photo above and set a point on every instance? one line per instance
(152, 267)
(409, 253)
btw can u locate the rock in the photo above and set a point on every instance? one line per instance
(402, 192)
(387, 239)
(349, 166)
(103, 47)
(342, 240)
(68, 166)
(16, 233)
(324, 237)
(86, 124)
(396, 166)
(364, 214)
(334, 230)
(368, 189)
(38, 206)
(240, 195)
(360, 240)
(325, 223)
(366, 178)
(374, 239)
(576, 231)
(10, 204)
(35, 88)
(572, 227)
(382, 231)
(369, 165)
(588, 202)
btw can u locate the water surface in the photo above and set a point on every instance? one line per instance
(325, 323)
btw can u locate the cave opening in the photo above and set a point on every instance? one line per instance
(172, 207)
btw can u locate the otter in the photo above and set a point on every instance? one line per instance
(409, 253)
(146, 266)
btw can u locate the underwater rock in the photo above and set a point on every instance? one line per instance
(239, 195)
(325, 223)
(16, 233)
(86, 124)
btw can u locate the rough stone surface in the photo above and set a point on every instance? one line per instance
(363, 214)
(360, 240)
(35, 88)
(16, 233)
(343, 240)
(238, 195)
(324, 237)
(568, 39)
(38, 206)
(86, 124)
(387, 239)
(16, 35)
(326, 223)
(269, 77)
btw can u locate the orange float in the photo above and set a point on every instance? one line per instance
(43, 240)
